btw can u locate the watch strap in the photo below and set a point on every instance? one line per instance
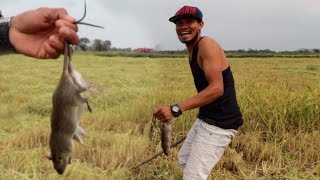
(5, 44)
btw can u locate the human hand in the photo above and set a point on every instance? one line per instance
(41, 33)
(163, 113)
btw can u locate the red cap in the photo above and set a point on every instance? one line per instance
(187, 11)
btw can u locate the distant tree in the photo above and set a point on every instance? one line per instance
(106, 45)
(240, 51)
(100, 45)
(266, 51)
(316, 50)
(84, 43)
(97, 45)
(303, 51)
(127, 49)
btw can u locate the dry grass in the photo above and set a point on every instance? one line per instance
(279, 99)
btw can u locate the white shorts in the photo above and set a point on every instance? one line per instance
(202, 149)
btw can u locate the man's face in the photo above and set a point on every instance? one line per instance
(188, 29)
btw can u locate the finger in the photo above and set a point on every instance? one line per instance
(57, 13)
(168, 118)
(159, 113)
(162, 118)
(155, 111)
(61, 23)
(57, 43)
(49, 52)
(69, 35)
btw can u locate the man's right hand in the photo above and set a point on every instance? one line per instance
(41, 33)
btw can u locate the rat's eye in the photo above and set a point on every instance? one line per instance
(59, 158)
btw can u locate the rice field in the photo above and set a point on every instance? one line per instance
(279, 98)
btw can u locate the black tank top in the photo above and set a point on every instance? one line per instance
(223, 112)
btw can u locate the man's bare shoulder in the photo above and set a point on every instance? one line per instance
(208, 44)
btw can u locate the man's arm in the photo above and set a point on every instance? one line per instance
(211, 56)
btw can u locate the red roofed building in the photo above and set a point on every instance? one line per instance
(144, 50)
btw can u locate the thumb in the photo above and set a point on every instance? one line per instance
(155, 111)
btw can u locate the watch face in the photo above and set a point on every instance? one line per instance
(175, 109)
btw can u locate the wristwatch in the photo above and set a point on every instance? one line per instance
(175, 110)
(4, 34)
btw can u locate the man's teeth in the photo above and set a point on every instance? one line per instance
(184, 33)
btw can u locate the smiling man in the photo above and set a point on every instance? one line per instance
(219, 115)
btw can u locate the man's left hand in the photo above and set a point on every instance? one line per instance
(163, 113)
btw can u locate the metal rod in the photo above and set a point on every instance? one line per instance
(159, 153)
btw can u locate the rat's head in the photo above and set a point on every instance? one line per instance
(60, 161)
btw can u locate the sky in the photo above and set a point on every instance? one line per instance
(235, 24)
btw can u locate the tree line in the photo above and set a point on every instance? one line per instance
(105, 46)
(97, 44)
